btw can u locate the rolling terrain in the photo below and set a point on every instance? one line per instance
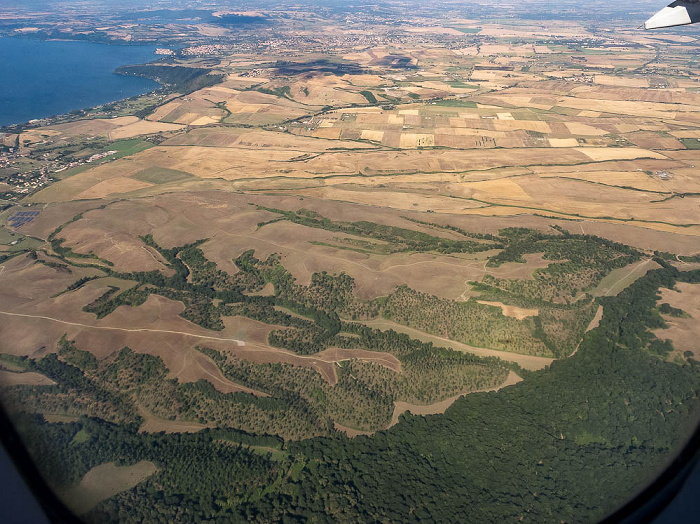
(398, 273)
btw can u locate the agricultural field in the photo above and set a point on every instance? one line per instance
(680, 308)
(399, 248)
(104, 481)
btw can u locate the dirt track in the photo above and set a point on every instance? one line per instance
(127, 330)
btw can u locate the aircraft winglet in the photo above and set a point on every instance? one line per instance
(682, 12)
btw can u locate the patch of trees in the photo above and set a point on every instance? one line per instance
(83, 360)
(634, 313)
(429, 374)
(180, 79)
(75, 392)
(579, 262)
(481, 236)
(667, 309)
(402, 239)
(130, 370)
(109, 301)
(557, 330)
(369, 96)
(197, 282)
(113, 388)
(66, 252)
(571, 443)
(80, 283)
(209, 293)
(348, 402)
(467, 322)
(61, 268)
(7, 256)
(13, 362)
(280, 92)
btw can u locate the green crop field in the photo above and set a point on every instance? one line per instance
(161, 175)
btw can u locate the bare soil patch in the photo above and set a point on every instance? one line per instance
(595, 322)
(512, 311)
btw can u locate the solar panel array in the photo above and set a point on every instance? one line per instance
(22, 217)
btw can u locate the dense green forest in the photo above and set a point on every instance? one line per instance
(181, 79)
(568, 444)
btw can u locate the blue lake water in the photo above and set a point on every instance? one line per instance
(44, 78)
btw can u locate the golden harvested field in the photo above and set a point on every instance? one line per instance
(115, 186)
(393, 199)
(683, 332)
(576, 128)
(563, 142)
(114, 129)
(103, 482)
(216, 137)
(235, 164)
(611, 132)
(600, 154)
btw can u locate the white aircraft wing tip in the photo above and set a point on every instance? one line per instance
(678, 13)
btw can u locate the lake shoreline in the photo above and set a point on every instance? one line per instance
(50, 78)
